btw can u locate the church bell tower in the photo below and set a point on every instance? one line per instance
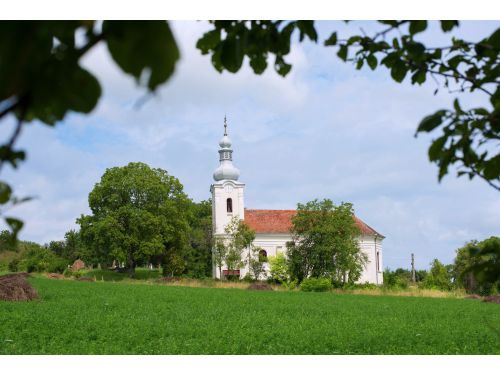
(227, 191)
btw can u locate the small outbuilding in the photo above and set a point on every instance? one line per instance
(78, 265)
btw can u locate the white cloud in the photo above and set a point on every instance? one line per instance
(326, 130)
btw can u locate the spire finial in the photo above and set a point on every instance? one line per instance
(225, 125)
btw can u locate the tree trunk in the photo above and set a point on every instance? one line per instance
(131, 268)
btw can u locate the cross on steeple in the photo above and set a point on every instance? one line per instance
(225, 125)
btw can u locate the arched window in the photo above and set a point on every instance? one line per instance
(263, 255)
(229, 205)
(378, 261)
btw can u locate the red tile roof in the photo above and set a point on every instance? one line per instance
(280, 221)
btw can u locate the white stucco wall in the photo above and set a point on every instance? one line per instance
(220, 193)
(273, 243)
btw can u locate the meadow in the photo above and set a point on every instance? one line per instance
(74, 317)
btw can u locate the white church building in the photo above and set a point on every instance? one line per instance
(272, 227)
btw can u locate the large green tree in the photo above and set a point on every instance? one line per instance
(477, 266)
(41, 77)
(325, 243)
(138, 212)
(198, 256)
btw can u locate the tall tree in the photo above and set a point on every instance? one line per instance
(137, 213)
(198, 257)
(229, 248)
(325, 243)
(439, 276)
(477, 266)
(41, 77)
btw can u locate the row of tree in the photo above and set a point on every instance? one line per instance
(141, 215)
(473, 270)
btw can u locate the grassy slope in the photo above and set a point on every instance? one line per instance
(119, 318)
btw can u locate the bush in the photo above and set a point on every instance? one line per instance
(316, 285)
(42, 260)
(364, 286)
(278, 268)
(76, 274)
(57, 265)
(14, 265)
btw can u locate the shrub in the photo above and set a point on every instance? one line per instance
(42, 260)
(278, 268)
(316, 285)
(57, 265)
(364, 286)
(14, 265)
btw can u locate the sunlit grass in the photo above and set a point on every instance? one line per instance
(75, 317)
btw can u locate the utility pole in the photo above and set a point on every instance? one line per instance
(413, 278)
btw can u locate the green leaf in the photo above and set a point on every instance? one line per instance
(455, 61)
(281, 66)
(494, 39)
(342, 53)
(307, 28)
(332, 40)
(359, 64)
(11, 156)
(416, 51)
(492, 168)
(140, 47)
(208, 41)
(82, 91)
(5, 192)
(392, 23)
(232, 54)
(417, 26)
(481, 111)
(258, 63)
(353, 39)
(371, 60)
(431, 122)
(495, 98)
(15, 225)
(448, 25)
(390, 59)
(399, 70)
(419, 76)
(436, 148)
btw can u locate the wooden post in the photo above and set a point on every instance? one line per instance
(413, 278)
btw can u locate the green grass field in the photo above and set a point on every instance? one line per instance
(121, 318)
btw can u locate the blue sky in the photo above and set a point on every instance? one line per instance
(325, 131)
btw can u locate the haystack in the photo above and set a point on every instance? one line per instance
(15, 287)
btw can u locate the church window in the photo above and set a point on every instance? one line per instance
(229, 205)
(378, 260)
(263, 255)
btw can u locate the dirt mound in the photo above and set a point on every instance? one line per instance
(259, 286)
(15, 287)
(492, 299)
(55, 276)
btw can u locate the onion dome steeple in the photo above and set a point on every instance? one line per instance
(226, 169)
